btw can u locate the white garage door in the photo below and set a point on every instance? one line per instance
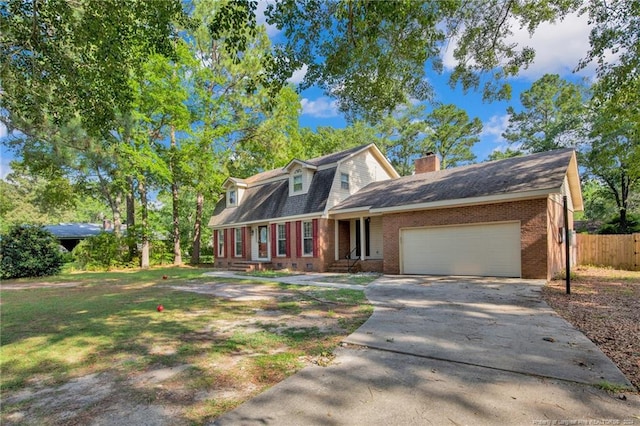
(487, 250)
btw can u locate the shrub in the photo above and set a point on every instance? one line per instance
(29, 251)
(613, 226)
(102, 251)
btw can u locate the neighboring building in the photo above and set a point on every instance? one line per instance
(70, 234)
(500, 218)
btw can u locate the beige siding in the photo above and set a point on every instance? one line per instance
(377, 240)
(362, 169)
(307, 176)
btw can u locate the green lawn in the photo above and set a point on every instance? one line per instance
(108, 322)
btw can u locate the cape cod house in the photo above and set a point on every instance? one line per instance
(500, 218)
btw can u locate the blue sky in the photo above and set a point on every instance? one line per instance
(558, 48)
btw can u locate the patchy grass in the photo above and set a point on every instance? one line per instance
(361, 278)
(269, 273)
(605, 305)
(106, 324)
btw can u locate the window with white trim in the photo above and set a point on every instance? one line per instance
(307, 238)
(282, 239)
(221, 243)
(238, 242)
(297, 181)
(232, 197)
(344, 180)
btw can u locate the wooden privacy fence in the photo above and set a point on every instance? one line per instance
(616, 251)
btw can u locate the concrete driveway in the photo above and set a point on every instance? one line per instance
(453, 350)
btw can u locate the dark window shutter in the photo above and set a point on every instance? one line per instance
(287, 236)
(274, 247)
(226, 240)
(315, 237)
(245, 231)
(215, 244)
(233, 242)
(298, 238)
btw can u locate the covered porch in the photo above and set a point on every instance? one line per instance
(358, 240)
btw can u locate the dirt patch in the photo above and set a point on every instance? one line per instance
(236, 351)
(605, 305)
(235, 292)
(43, 284)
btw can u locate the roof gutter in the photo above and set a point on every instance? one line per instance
(459, 202)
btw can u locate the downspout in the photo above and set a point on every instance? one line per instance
(567, 244)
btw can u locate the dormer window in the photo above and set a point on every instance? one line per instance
(300, 176)
(232, 198)
(297, 181)
(235, 189)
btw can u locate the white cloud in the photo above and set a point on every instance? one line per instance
(495, 127)
(3, 131)
(298, 75)
(261, 19)
(5, 167)
(559, 46)
(323, 107)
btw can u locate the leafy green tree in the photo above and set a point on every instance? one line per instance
(64, 59)
(451, 135)
(29, 251)
(553, 115)
(371, 55)
(326, 140)
(598, 203)
(615, 28)
(401, 135)
(614, 154)
(29, 199)
(501, 155)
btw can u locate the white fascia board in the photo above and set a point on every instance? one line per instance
(347, 213)
(270, 220)
(489, 199)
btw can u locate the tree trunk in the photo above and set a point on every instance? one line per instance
(144, 234)
(197, 230)
(117, 215)
(177, 252)
(131, 218)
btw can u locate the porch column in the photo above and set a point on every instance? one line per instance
(336, 242)
(362, 238)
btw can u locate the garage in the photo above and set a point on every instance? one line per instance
(491, 249)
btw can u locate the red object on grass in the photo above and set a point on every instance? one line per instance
(164, 277)
(160, 308)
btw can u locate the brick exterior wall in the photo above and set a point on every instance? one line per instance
(532, 215)
(319, 263)
(556, 260)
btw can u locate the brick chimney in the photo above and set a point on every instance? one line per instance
(428, 163)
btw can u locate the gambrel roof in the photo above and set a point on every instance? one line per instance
(266, 195)
(270, 200)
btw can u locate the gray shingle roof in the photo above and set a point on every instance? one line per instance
(520, 174)
(271, 200)
(319, 161)
(74, 230)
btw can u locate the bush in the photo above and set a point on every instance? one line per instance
(29, 251)
(613, 226)
(102, 251)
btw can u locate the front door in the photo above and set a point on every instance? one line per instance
(263, 242)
